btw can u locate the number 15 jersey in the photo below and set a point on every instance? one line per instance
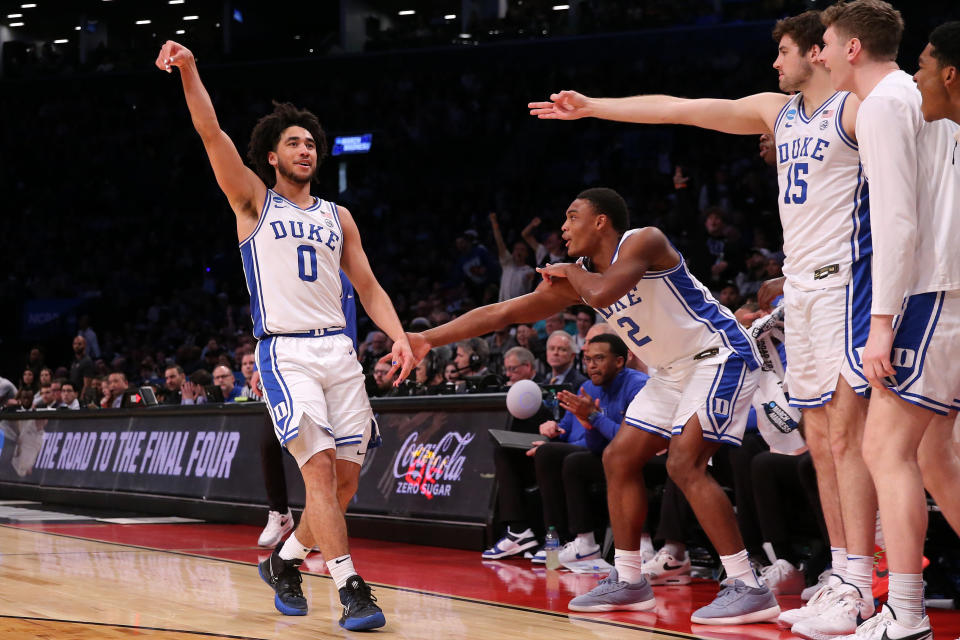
(823, 195)
(292, 265)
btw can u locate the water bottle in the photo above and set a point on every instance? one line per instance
(551, 548)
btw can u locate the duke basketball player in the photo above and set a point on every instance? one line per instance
(826, 231)
(907, 145)
(699, 397)
(293, 247)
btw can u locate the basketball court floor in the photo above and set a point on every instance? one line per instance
(71, 575)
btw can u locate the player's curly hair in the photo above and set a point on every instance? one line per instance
(946, 44)
(266, 137)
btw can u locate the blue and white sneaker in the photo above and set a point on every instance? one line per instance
(611, 594)
(539, 557)
(739, 604)
(576, 550)
(511, 544)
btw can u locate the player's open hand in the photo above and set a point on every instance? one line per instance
(566, 105)
(401, 357)
(551, 271)
(173, 54)
(876, 354)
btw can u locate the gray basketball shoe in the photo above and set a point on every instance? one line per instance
(739, 604)
(611, 594)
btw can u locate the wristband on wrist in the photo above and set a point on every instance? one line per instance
(593, 416)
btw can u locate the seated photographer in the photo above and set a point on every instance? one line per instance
(567, 467)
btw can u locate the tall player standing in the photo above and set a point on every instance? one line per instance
(827, 287)
(699, 398)
(912, 353)
(293, 247)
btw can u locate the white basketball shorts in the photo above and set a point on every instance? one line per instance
(926, 351)
(314, 387)
(825, 332)
(717, 388)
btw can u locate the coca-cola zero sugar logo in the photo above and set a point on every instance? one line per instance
(429, 469)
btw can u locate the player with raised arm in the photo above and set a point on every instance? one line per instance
(908, 147)
(706, 370)
(293, 246)
(827, 272)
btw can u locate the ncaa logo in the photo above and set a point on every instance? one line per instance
(280, 411)
(720, 406)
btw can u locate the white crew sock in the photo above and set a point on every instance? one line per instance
(738, 568)
(859, 573)
(646, 545)
(293, 549)
(629, 565)
(341, 569)
(838, 557)
(586, 540)
(906, 598)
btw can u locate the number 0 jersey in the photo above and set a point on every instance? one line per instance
(670, 316)
(292, 265)
(823, 195)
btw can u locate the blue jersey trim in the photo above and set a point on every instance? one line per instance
(650, 275)
(779, 120)
(649, 427)
(804, 117)
(263, 306)
(926, 403)
(313, 207)
(710, 313)
(263, 216)
(811, 403)
(253, 288)
(838, 124)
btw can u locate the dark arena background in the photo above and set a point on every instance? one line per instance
(140, 513)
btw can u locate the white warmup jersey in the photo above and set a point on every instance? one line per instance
(823, 195)
(670, 316)
(292, 265)
(912, 167)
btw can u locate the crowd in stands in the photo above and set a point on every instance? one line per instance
(458, 203)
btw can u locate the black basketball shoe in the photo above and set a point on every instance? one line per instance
(359, 609)
(284, 576)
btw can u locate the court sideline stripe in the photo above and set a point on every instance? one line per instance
(212, 634)
(446, 596)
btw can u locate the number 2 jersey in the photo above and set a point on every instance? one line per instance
(823, 195)
(292, 265)
(670, 316)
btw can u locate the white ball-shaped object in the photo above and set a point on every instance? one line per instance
(523, 399)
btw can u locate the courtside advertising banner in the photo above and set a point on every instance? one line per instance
(206, 456)
(431, 463)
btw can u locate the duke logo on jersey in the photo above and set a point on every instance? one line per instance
(297, 251)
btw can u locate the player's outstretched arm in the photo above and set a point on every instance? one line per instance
(546, 300)
(243, 188)
(751, 115)
(375, 300)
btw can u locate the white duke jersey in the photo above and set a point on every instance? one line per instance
(914, 172)
(292, 265)
(670, 316)
(823, 195)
